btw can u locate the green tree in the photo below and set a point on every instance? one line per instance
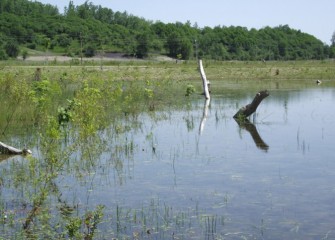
(3, 54)
(12, 49)
(30, 22)
(89, 51)
(24, 54)
(178, 44)
(333, 40)
(143, 45)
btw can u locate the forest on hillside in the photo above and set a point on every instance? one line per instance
(88, 30)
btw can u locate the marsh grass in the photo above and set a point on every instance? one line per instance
(158, 220)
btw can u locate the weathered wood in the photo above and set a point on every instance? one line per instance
(249, 109)
(5, 149)
(247, 125)
(205, 82)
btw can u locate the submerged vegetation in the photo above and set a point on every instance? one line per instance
(71, 115)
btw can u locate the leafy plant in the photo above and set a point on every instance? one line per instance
(190, 90)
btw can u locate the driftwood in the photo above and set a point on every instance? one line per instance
(249, 109)
(247, 125)
(9, 150)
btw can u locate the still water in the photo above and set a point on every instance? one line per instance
(196, 173)
(281, 188)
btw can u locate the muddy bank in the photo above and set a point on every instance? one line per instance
(106, 57)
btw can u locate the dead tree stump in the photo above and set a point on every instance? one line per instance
(249, 109)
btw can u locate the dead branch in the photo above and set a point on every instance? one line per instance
(249, 109)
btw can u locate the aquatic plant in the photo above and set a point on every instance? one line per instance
(190, 90)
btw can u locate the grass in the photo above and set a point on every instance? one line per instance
(215, 70)
(139, 85)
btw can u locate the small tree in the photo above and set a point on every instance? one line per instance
(178, 44)
(89, 51)
(12, 49)
(24, 54)
(333, 40)
(47, 43)
(332, 51)
(3, 55)
(142, 48)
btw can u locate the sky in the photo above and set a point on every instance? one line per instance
(315, 17)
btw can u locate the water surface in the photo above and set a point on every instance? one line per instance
(195, 173)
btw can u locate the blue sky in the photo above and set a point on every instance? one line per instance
(316, 17)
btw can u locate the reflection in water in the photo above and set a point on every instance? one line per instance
(204, 115)
(4, 157)
(247, 125)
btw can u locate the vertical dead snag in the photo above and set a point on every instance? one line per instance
(249, 109)
(206, 83)
(206, 87)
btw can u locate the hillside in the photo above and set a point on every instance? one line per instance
(89, 30)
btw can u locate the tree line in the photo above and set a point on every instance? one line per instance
(88, 29)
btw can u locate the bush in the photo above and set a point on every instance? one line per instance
(12, 49)
(89, 51)
(3, 55)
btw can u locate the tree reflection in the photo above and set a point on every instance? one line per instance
(204, 116)
(251, 128)
(4, 157)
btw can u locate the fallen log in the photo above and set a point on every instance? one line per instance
(5, 149)
(249, 109)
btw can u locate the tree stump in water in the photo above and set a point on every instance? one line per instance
(249, 109)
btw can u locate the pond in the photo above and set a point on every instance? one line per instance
(195, 173)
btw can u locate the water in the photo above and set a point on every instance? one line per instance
(285, 190)
(196, 173)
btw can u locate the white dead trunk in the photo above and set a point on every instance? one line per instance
(205, 82)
